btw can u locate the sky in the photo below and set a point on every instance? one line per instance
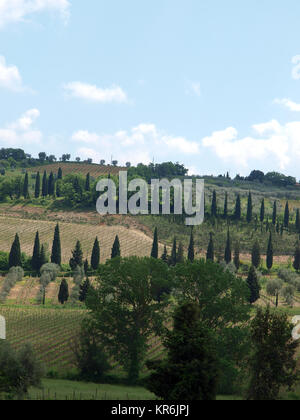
(212, 84)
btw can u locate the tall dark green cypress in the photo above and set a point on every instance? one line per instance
(238, 210)
(77, 256)
(56, 247)
(35, 261)
(252, 282)
(297, 225)
(95, 258)
(26, 186)
(15, 257)
(154, 251)
(236, 258)
(191, 250)
(249, 208)
(210, 255)
(45, 185)
(256, 258)
(63, 294)
(59, 173)
(37, 188)
(270, 253)
(214, 209)
(84, 288)
(296, 263)
(43, 257)
(225, 214)
(286, 216)
(180, 254)
(116, 249)
(88, 182)
(173, 260)
(228, 253)
(274, 216)
(51, 185)
(58, 189)
(164, 256)
(262, 211)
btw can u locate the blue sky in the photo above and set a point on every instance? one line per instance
(212, 84)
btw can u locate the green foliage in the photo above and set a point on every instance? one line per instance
(228, 253)
(95, 258)
(36, 256)
(249, 208)
(56, 247)
(84, 289)
(15, 258)
(270, 252)
(210, 255)
(191, 250)
(63, 294)
(116, 249)
(191, 370)
(253, 284)
(272, 364)
(123, 311)
(77, 256)
(255, 255)
(154, 251)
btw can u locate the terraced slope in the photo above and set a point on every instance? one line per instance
(78, 168)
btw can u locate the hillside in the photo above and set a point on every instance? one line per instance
(78, 168)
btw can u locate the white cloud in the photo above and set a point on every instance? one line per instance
(21, 133)
(10, 77)
(12, 11)
(95, 94)
(296, 68)
(193, 88)
(292, 106)
(139, 145)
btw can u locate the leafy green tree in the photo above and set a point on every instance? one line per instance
(84, 288)
(173, 260)
(95, 258)
(273, 288)
(228, 253)
(262, 211)
(270, 253)
(37, 188)
(35, 261)
(164, 256)
(116, 249)
(15, 257)
(210, 255)
(252, 282)
(56, 247)
(77, 256)
(191, 250)
(249, 208)
(272, 365)
(191, 370)
(154, 251)
(123, 311)
(286, 216)
(255, 255)
(238, 210)
(63, 294)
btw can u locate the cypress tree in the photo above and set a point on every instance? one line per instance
(238, 210)
(95, 258)
(287, 216)
(37, 185)
(298, 221)
(77, 186)
(237, 261)
(51, 185)
(270, 253)
(84, 288)
(26, 186)
(296, 263)
(173, 260)
(86, 266)
(88, 182)
(63, 294)
(43, 257)
(214, 209)
(210, 255)
(252, 282)
(180, 254)
(58, 189)
(228, 253)
(116, 250)
(249, 208)
(45, 185)
(274, 216)
(262, 211)
(56, 247)
(15, 257)
(164, 256)
(191, 250)
(35, 261)
(256, 254)
(225, 215)
(77, 256)
(59, 173)
(154, 251)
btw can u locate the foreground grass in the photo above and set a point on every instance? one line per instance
(70, 390)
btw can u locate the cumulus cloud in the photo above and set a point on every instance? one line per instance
(93, 93)
(10, 77)
(139, 145)
(22, 133)
(12, 11)
(288, 103)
